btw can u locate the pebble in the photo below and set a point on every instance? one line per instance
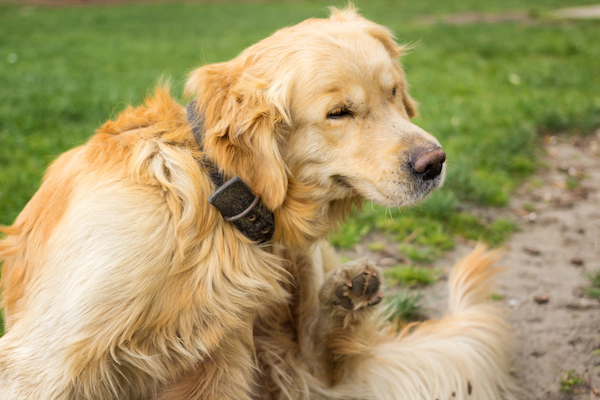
(541, 299)
(577, 261)
(532, 251)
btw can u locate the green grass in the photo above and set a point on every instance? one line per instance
(433, 225)
(594, 289)
(376, 246)
(570, 381)
(407, 275)
(486, 90)
(78, 66)
(405, 307)
(496, 297)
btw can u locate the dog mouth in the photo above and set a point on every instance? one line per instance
(418, 172)
(406, 188)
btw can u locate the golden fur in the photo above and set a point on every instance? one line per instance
(122, 282)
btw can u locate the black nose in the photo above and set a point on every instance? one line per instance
(428, 163)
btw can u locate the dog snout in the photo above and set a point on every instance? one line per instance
(428, 163)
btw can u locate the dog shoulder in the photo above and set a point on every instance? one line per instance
(142, 164)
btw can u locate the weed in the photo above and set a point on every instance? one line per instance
(406, 275)
(349, 234)
(528, 207)
(419, 254)
(570, 381)
(376, 246)
(497, 297)
(536, 182)
(405, 307)
(474, 228)
(572, 183)
(594, 289)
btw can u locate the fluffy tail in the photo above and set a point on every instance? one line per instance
(465, 355)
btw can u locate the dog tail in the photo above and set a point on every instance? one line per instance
(470, 279)
(463, 356)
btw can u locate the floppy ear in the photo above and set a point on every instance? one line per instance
(242, 127)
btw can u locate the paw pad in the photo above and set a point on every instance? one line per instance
(362, 290)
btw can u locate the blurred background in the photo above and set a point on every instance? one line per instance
(497, 82)
(492, 78)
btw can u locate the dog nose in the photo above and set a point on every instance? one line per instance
(428, 163)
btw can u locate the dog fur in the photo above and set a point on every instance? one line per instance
(120, 281)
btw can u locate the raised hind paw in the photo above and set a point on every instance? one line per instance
(352, 286)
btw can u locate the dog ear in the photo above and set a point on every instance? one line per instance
(243, 127)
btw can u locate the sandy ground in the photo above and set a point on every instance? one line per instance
(588, 12)
(556, 245)
(548, 258)
(558, 241)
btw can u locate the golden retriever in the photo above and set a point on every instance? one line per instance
(121, 281)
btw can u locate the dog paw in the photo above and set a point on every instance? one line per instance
(356, 285)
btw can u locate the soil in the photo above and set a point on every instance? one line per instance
(556, 326)
(520, 17)
(470, 18)
(588, 12)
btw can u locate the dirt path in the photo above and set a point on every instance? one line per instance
(558, 241)
(558, 211)
(557, 244)
(562, 334)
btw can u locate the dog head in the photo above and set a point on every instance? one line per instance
(322, 105)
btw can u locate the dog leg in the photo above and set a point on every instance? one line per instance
(342, 331)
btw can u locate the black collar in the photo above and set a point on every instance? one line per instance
(236, 201)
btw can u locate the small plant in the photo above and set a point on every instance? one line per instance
(407, 275)
(348, 235)
(528, 207)
(496, 297)
(474, 228)
(376, 246)
(594, 289)
(536, 182)
(570, 381)
(572, 183)
(419, 254)
(405, 307)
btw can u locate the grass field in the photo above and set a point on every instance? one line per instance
(487, 91)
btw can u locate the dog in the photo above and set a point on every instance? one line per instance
(122, 281)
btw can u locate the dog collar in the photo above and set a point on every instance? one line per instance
(233, 198)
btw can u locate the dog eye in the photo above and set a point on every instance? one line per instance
(339, 113)
(394, 91)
